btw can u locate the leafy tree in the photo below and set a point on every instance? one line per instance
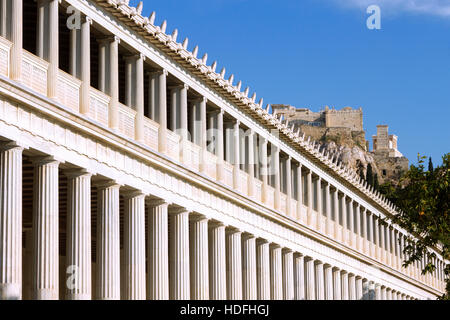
(369, 175)
(376, 184)
(430, 165)
(424, 202)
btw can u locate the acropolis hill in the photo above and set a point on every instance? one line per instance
(341, 133)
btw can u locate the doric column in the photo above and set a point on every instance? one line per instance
(179, 255)
(217, 264)
(385, 293)
(328, 280)
(365, 289)
(320, 285)
(352, 287)
(299, 277)
(345, 285)
(45, 227)
(288, 274)
(78, 253)
(309, 193)
(359, 288)
(337, 290)
(199, 258)
(108, 242)
(85, 58)
(250, 290)
(372, 291)
(237, 157)
(134, 247)
(378, 292)
(310, 279)
(276, 273)
(158, 250)
(139, 120)
(329, 224)
(289, 188)
(113, 78)
(220, 146)
(251, 163)
(299, 193)
(10, 221)
(263, 269)
(16, 20)
(358, 228)
(276, 172)
(53, 48)
(234, 264)
(264, 169)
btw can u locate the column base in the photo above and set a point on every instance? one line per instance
(10, 291)
(46, 294)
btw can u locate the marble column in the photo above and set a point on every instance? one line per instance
(134, 247)
(352, 287)
(85, 59)
(113, 78)
(199, 258)
(263, 269)
(276, 273)
(288, 274)
(336, 212)
(383, 293)
(108, 242)
(328, 280)
(320, 284)
(217, 263)
(372, 290)
(158, 250)
(16, 39)
(365, 289)
(78, 252)
(378, 295)
(309, 194)
(250, 290)
(383, 250)
(370, 235)
(276, 172)
(220, 146)
(237, 157)
(345, 285)
(139, 107)
(10, 221)
(337, 289)
(289, 188)
(310, 279)
(299, 194)
(299, 277)
(203, 139)
(359, 288)
(359, 244)
(377, 240)
(234, 264)
(158, 106)
(251, 164)
(351, 224)
(53, 48)
(184, 112)
(329, 223)
(264, 169)
(345, 239)
(365, 235)
(179, 288)
(319, 203)
(46, 230)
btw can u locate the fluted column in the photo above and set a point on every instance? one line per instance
(78, 253)
(161, 109)
(251, 163)
(53, 48)
(45, 225)
(310, 279)
(383, 293)
(108, 242)
(250, 290)
(344, 220)
(383, 249)
(263, 269)
(337, 290)
(358, 235)
(319, 203)
(359, 288)
(370, 236)
(299, 194)
(237, 157)
(139, 120)
(378, 292)
(299, 277)
(276, 273)
(288, 274)
(344, 286)
(85, 65)
(365, 234)
(336, 212)
(352, 287)
(113, 78)
(365, 289)
(179, 255)
(134, 247)
(264, 168)
(220, 146)
(10, 221)
(16, 21)
(376, 238)
(309, 193)
(289, 188)
(328, 280)
(234, 264)
(372, 290)
(199, 258)
(217, 265)
(351, 224)
(276, 172)
(329, 222)
(320, 285)
(158, 250)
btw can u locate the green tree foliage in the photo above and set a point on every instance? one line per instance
(430, 165)
(376, 184)
(423, 202)
(369, 174)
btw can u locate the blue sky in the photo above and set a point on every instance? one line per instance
(312, 53)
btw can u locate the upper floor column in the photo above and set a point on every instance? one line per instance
(275, 151)
(319, 202)
(264, 170)
(299, 180)
(289, 187)
(329, 224)
(237, 158)
(251, 163)
(16, 38)
(220, 146)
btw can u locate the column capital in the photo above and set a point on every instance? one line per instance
(179, 210)
(215, 224)
(133, 194)
(197, 217)
(157, 202)
(42, 160)
(287, 250)
(248, 235)
(275, 245)
(86, 19)
(77, 172)
(104, 184)
(109, 39)
(232, 230)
